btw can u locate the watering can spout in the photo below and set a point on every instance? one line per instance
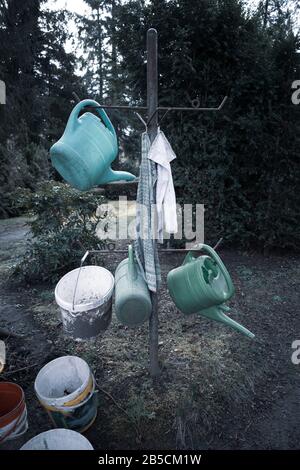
(110, 175)
(217, 313)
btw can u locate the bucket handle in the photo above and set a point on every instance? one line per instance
(76, 285)
(75, 289)
(202, 247)
(73, 119)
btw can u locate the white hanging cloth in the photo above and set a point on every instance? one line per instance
(162, 154)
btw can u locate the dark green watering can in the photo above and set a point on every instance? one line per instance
(84, 153)
(132, 298)
(202, 285)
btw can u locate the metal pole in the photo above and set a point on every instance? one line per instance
(152, 86)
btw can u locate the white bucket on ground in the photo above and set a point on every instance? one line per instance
(85, 308)
(66, 389)
(13, 412)
(58, 439)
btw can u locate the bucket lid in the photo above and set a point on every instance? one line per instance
(95, 287)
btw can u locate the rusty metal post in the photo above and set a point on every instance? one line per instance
(152, 102)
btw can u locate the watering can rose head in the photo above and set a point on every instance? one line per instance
(84, 153)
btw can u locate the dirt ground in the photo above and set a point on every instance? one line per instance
(217, 389)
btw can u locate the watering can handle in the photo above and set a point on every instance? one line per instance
(190, 257)
(73, 119)
(131, 263)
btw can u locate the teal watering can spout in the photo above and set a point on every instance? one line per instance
(217, 313)
(110, 176)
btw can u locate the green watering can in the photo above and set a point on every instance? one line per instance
(132, 299)
(202, 285)
(84, 153)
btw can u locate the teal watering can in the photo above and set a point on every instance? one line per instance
(84, 153)
(132, 299)
(202, 285)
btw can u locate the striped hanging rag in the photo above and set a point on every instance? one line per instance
(145, 244)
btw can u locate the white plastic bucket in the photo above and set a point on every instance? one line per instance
(58, 439)
(13, 412)
(66, 389)
(84, 296)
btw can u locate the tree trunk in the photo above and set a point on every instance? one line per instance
(100, 56)
(266, 12)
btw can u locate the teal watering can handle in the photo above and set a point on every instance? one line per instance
(73, 119)
(222, 267)
(190, 257)
(131, 263)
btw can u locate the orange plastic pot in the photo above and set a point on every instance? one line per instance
(13, 413)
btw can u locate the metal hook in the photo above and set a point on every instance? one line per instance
(223, 102)
(152, 116)
(142, 120)
(164, 115)
(156, 111)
